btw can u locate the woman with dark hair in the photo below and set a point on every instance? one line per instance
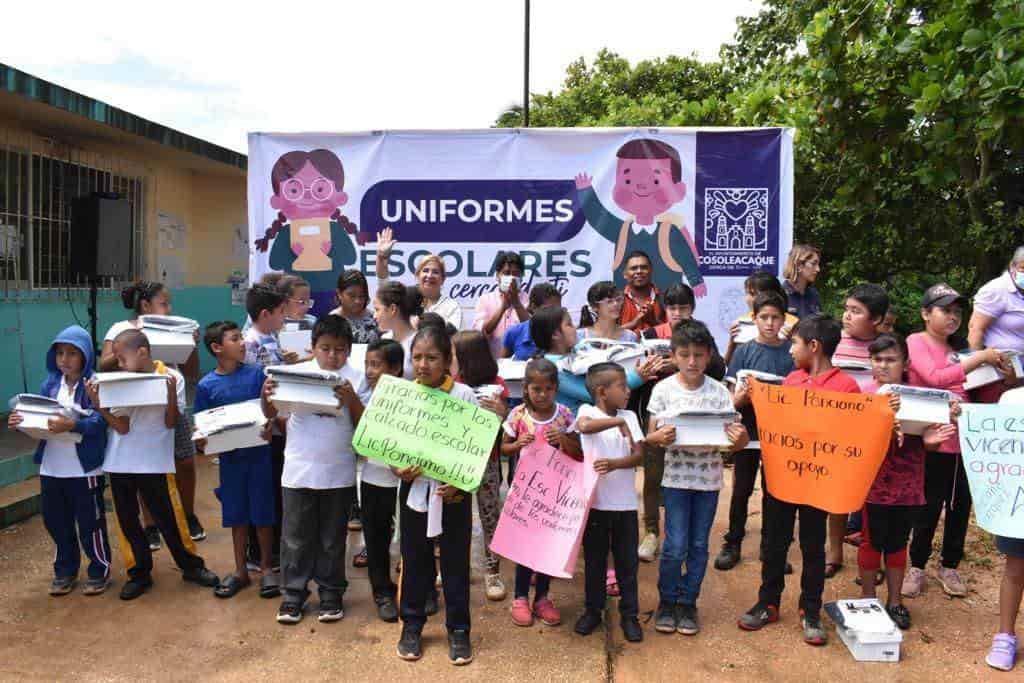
(353, 296)
(394, 308)
(506, 305)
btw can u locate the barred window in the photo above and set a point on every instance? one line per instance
(37, 191)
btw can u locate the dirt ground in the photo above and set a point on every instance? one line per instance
(178, 631)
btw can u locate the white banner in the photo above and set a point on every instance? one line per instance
(709, 206)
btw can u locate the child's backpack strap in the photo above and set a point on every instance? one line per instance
(666, 222)
(620, 246)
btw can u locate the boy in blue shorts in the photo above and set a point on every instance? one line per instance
(246, 490)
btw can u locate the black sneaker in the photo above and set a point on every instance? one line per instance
(900, 615)
(689, 624)
(431, 608)
(631, 629)
(331, 610)
(460, 651)
(289, 613)
(410, 644)
(153, 538)
(588, 622)
(203, 577)
(758, 616)
(195, 530)
(728, 558)
(62, 585)
(665, 620)
(133, 588)
(387, 610)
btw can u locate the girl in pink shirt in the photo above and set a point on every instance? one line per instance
(934, 364)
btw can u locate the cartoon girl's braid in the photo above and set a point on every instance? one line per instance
(263, 243)
(349, 226)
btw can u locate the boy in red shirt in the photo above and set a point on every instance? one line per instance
(814, 341)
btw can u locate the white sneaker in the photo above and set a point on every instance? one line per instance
(913, 583)
(648, 549)
(495, 587)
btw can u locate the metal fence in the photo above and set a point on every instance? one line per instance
(39, 180)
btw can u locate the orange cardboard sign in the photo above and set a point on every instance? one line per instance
(821, 448)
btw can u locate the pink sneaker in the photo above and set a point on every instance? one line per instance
(611, 584)
(547, 612)
(521, 614)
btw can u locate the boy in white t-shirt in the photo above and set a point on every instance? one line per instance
(319, 481)
(140, 461)
(613, 442)
(692, 477)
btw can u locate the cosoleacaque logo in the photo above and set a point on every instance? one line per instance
(491, 211)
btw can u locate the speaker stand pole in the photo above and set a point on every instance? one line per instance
(93, 287)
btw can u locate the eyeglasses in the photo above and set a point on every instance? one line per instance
(320, 189)
(302, 302)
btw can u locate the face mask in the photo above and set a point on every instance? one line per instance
(1018, 279)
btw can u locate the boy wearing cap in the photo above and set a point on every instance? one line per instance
(934, 364)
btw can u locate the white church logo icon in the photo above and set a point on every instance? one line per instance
(736, 219)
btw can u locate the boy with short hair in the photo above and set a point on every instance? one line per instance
(863, 313)
(680, 304)
(378, 489)
(266, 309)
(246, 490)
(765, 353)
(319, 480)
(71, 475)
(612, 440)
(758, 283)
(692, 478)
(813, 342)
(140, 461)
(517, 342)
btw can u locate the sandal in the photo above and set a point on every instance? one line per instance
(269, 586)
(832, 568)
(879, 579)
(611, 585)
(853, 538)
(229, 586)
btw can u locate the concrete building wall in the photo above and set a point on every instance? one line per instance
(206, 197)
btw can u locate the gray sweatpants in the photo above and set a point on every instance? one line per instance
(314, 528)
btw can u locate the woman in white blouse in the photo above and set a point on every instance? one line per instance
(430, 278)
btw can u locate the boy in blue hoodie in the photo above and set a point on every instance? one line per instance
(70, 474)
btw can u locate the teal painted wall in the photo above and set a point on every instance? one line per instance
(29, 323)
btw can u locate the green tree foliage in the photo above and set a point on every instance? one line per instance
(909, 117)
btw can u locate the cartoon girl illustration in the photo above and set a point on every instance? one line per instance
(311, 235)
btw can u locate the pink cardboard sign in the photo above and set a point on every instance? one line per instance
(542, 523)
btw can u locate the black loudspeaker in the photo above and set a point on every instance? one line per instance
(101, 237)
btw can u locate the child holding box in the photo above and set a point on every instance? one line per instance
(70, 475)
(934, 364)
(319, 481)
(140, 461)
(765, 353)
(897, 494)
(814, 341)
(692, 477)
(246, 490)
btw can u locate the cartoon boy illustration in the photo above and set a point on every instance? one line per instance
(648, 182)
(311, 235)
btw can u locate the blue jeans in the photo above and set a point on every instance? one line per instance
(688, 518)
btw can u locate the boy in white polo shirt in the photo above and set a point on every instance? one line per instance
(140, 461)
(319, 481)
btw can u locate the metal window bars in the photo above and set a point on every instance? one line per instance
(39, 180)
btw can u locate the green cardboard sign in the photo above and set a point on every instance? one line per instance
(408, 424)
